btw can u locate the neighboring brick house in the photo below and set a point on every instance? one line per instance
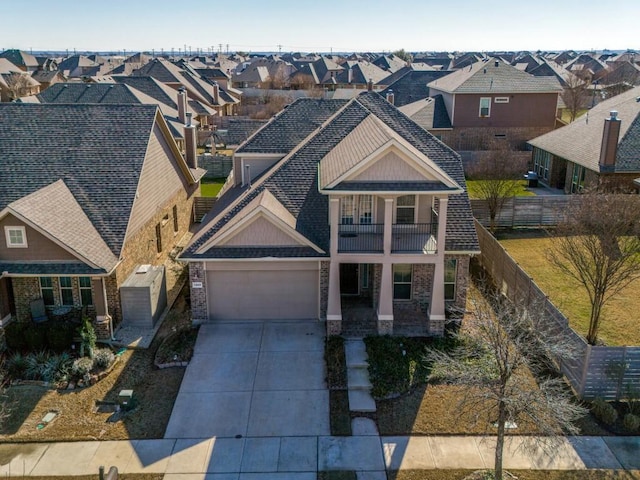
(601, 146)
(339, 211)
(492, 101)
(88, 192)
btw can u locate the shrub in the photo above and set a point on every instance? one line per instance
(16, 365)
(60, 336)
(14, 336)
(81, 367)
(88, 337)
(35, 337)
(56, 367)
(36, 365)
(604, 411)
(631, 422)
(103, 358)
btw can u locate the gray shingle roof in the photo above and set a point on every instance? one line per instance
(87, 93)
(580, 141)
(57, 268)
(486, 77)
(149, 86)
(412, 86)
(97, 150)
(291, 126)
(295, 185)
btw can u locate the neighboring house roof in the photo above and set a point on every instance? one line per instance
(87, 93)
(580, 141)
(95, 152)
(486, 77)
(20, 58)
(291, 126)
(293, 181)
(390, 63)
(6, 66)
(47, 76)
(430, 113)
(151, 87)
(361, 73)
(240, 129)
(412, 86)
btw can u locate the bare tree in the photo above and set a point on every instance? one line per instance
(500, 347)
(497, 176)
(18, 84)
(575, 94)
(598, 245)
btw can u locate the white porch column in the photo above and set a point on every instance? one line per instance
(437, 308)
(334, 308)
(388, 225)
(385, 303)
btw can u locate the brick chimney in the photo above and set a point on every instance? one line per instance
(216, 93)
(190, 146)
(391, 97)
(182, 105)
(610, 136)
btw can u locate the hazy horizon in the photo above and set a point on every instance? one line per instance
(288, 26)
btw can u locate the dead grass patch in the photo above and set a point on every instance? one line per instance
(619, 325)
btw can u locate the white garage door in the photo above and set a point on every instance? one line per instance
(264, 293)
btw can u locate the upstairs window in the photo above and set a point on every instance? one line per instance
(346, 211)
(365, 209)
(16, 237)
(406, 209)
(356, 209)
(485, 106)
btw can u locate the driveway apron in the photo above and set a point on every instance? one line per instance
(254, 379)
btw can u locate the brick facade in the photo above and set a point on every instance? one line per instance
(197, 273)
(324, 289)
(482, 138)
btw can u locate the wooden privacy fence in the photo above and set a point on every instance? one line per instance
(201, 206)
(612, 373)
(217, 166)
(536, 211)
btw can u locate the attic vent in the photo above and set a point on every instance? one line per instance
(143, 268)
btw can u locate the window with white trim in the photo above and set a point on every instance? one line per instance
(402, 275)
(450, 275)
(84, 285)
(485, 107)
(406, 209)
(365, 210)
(66, 290)
(16, 237)
(46, 290)
(356, 209)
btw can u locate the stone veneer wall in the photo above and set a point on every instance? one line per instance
(197, 273)
(324, 289)
(26, 289)
(140, 247)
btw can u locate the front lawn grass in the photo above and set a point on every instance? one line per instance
(619, 323)
(211, 187)
(473, 188)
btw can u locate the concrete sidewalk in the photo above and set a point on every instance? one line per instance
(299, 458)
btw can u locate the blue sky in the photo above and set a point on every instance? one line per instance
(347, 25)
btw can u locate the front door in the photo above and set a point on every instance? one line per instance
(349, 279)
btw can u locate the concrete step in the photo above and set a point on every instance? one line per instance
(358, 378)
(356, 353)
(361, 401)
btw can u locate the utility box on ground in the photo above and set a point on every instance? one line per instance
(143, 296)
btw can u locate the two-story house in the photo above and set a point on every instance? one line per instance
(491, 101)
(337, 210)
(88, 193)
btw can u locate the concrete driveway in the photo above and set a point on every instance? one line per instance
(254, 379)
